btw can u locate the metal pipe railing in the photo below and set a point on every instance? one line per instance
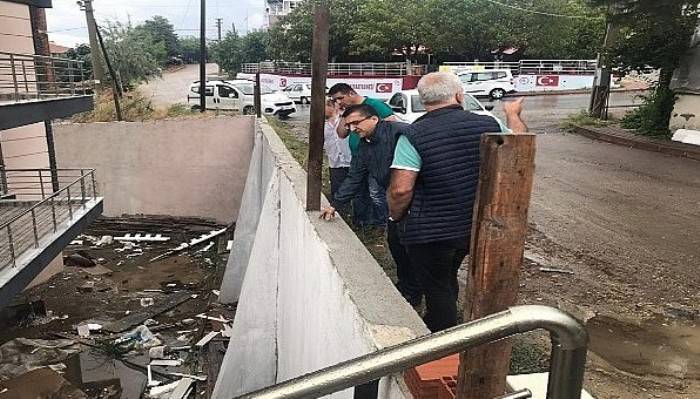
(26, 229)
(31, 76)
(568, 358)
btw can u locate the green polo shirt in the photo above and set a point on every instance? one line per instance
(383, 110)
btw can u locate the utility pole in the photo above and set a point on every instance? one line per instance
(218, 27)
(97, 68)
(202, 56)
(319, 70)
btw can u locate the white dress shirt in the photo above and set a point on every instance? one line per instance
(337, 149)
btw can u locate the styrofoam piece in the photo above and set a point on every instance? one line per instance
(536, 383)
(145, 238)
(687, 136)
(229, 245)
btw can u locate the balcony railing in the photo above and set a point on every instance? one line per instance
(34, 77)
(37, 209)
(345, 69)
(530, 67)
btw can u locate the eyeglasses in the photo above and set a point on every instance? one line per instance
(352, 125)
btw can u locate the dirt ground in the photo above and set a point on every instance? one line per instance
(126, 283)
(625, 224)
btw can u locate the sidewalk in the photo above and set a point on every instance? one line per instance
(617, 135)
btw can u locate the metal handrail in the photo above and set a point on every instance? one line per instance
(34, 76)
(525, 67)
(568, 358)
(86, 183)
(341, 68)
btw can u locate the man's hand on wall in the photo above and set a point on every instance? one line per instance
(327, 213)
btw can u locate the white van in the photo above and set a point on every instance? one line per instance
(495, 83)
(238, 95)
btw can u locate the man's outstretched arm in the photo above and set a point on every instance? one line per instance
(513, 109)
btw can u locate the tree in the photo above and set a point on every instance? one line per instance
(652, 34)
(160, 30)
(254, 46)
(135, 55)
(81, 52)
(227, 52)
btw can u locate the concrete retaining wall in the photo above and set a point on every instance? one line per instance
(179, 167)
(309, 294)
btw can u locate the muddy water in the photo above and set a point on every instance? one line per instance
(661, 347)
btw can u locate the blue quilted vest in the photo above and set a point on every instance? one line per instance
(448, 141)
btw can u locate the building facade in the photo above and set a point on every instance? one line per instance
(276, 9)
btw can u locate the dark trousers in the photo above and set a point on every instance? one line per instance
(337, 176)
(436, 265)
(407, 283)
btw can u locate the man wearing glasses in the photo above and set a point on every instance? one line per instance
(364, 212)
(375, 154)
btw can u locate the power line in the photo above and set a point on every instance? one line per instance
(548, 14)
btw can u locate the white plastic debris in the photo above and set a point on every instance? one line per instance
(76, 242)
(163, 391)
(167, 362)
(146, 302)
(140, 337)
(145, 238)
(105, 240)
(83, 331)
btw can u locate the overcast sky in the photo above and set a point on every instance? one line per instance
(67, 26)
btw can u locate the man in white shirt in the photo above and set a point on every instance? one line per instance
(337, 149)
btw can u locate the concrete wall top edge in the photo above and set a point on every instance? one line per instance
(389, 318)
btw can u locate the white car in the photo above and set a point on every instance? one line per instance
(238, 95)
(495, 83)
(299, 92)
(408, 106)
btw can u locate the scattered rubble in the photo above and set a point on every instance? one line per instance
(131, 351)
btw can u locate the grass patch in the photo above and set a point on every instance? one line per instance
(584, 119)
(135, 108)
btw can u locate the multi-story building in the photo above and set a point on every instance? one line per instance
(275, 9)
(42, 208)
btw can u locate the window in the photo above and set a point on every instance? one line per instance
(500, 75)
(209, 91)
(483, 76)
(472, 104)
(465, 78)
(225, 92)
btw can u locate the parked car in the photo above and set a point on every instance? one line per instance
(299, 92)
(238, 95)
(495, 83)
(408, 106)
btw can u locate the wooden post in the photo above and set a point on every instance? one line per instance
(319, 70)
(497, 246)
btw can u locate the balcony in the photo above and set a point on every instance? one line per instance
(42, 210)
(34, 88)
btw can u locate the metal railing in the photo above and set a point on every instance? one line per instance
(567, 364)
(37, 209)
(30, 77)
(345, 69)
(530, 67)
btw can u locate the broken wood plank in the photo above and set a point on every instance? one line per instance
(146, 238)
(181, 389)
(135, 318)
(192, 243)
(205, 340)
(166, 362)
(499, 228)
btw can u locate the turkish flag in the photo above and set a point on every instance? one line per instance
(548, 80)
(385, 87)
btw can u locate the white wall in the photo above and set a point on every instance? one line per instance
(179, 167)
(310, 294)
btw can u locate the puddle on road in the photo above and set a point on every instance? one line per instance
(667, 348)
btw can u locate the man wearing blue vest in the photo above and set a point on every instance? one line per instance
(434, 178)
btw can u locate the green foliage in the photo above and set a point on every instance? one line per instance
(584, 119)
(227, 53)
(652, 117)
(81, 52)
(189, 49)
(134, 54)
(254, 46)
(161, 31)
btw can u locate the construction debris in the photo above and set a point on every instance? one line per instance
(145, 238)
(166, 362)
(555, 270)
(192, 243)
(146, 302)
(80, 259)
(139, 338)
(133, 319)
(21, 355)
(39, 383)
(182, 388)
(205, 340)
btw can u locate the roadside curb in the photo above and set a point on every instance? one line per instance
(562, 92)
(643, 143)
